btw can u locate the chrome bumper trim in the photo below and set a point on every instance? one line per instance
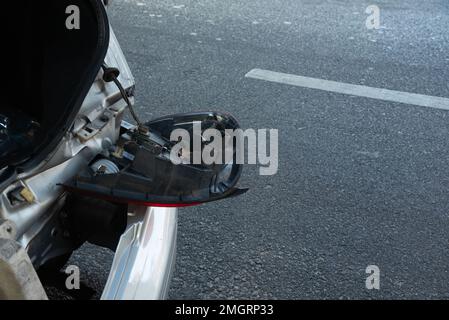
(145, 257)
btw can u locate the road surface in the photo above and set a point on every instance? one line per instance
(362, 180)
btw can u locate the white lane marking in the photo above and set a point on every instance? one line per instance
(351, 89)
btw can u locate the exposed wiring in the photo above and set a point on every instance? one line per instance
(110, 74)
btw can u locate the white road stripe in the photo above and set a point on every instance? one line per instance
(351, 89)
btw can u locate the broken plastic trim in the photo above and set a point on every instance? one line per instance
(146, 175)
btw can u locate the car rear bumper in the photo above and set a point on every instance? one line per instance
(145, 257)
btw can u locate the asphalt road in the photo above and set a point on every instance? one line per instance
(361, 181)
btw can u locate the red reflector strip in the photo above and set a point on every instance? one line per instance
(132, 201)
(163, 205)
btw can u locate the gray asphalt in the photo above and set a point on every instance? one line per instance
(360, 181)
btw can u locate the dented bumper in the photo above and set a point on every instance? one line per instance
(144, 260)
